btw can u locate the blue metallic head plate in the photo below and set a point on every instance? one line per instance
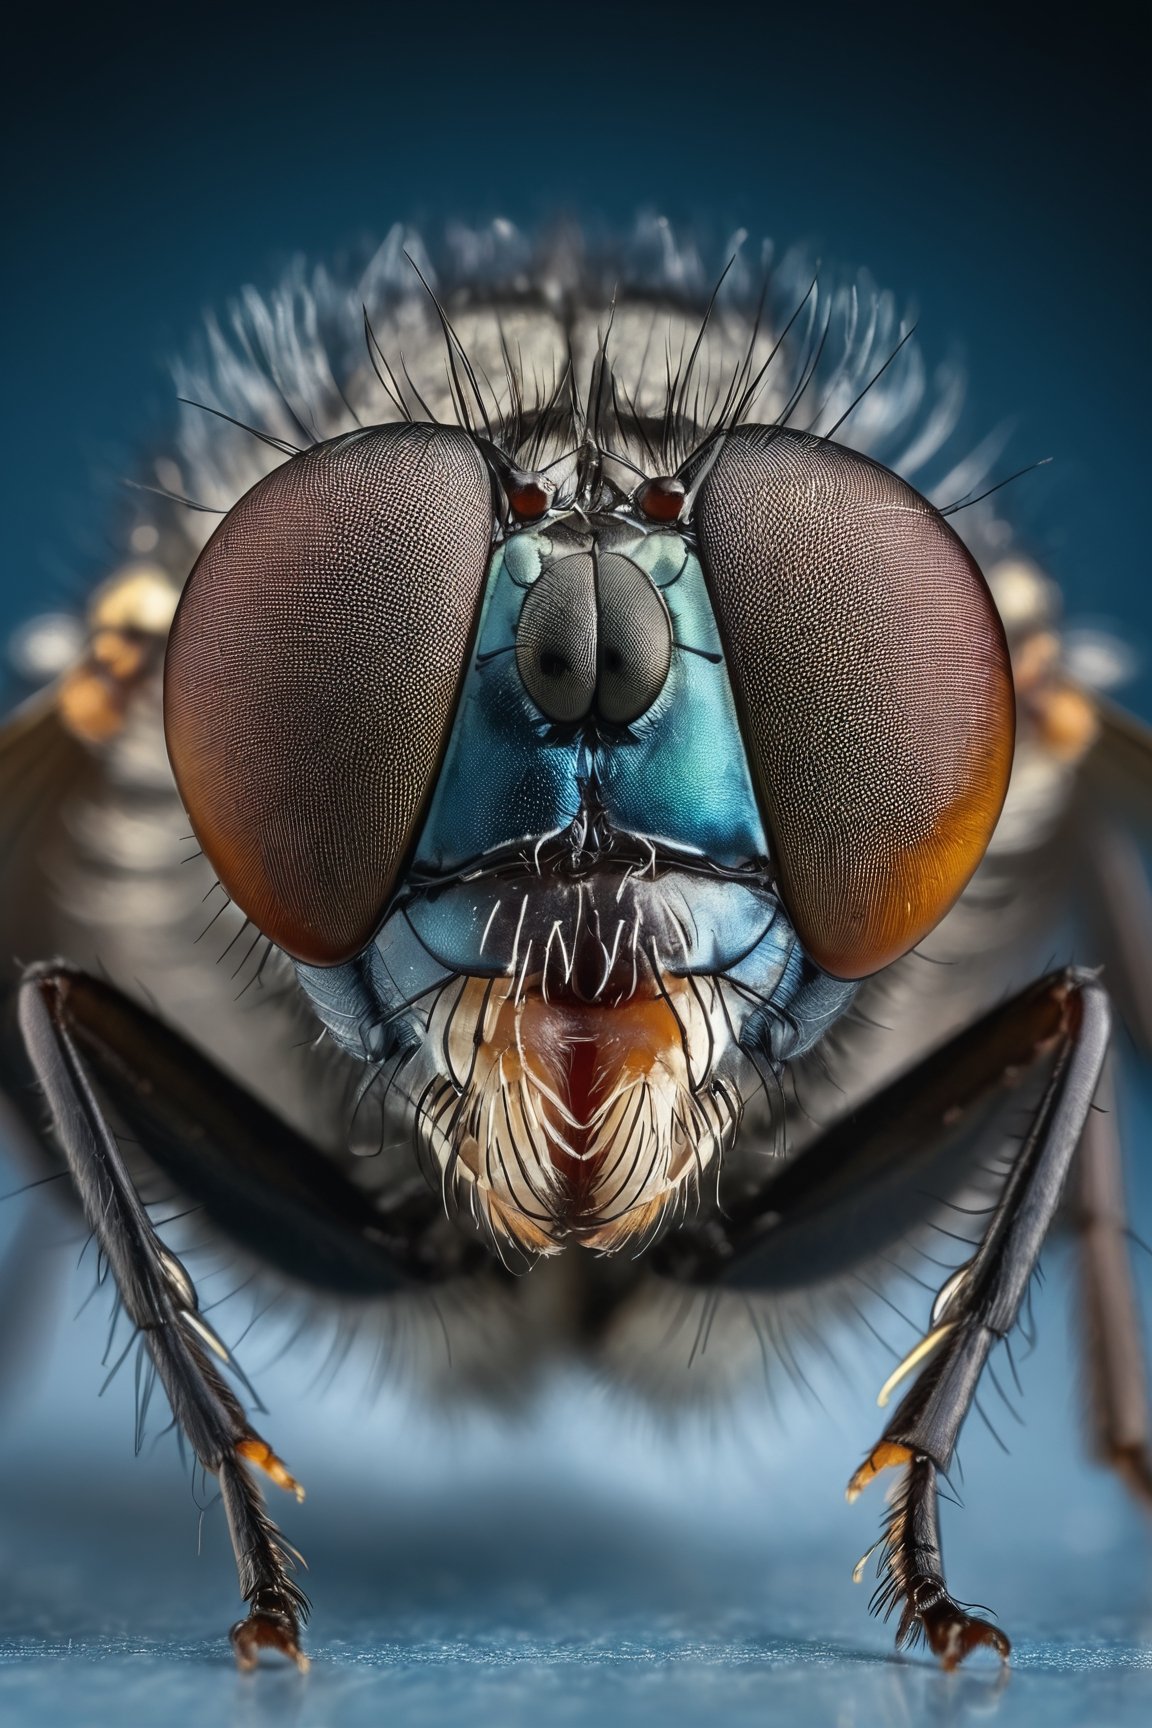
(587, 956)
(678, 774)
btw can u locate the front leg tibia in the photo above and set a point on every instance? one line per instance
(859, 1187)
(160, 1300)
(977, 1309)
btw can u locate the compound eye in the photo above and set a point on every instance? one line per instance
(873, 683)
(313, 670)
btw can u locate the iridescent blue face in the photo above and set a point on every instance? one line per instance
(589, 847)
(547, 811)
(589, 906)
(676, 772)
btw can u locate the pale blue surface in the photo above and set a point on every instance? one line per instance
(584, 1564)
(640, 1629)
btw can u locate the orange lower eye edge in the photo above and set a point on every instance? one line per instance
(852, 930)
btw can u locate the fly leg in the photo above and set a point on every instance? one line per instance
(1110, 1320)
(1118, 908)
(975, 1310)
(90, 1046)
(862, 1185)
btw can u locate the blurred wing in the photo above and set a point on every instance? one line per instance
(1118, 769)
(40, 765)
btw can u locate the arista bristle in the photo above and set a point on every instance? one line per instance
(569, 1122)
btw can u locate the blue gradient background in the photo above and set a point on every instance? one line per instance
(587, 1564)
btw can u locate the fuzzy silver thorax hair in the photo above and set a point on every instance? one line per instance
(551, 344)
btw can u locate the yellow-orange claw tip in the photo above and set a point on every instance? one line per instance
(258, 1452)
(887, 1456)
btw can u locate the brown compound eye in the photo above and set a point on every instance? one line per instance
(872, 677)
(312, 673)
